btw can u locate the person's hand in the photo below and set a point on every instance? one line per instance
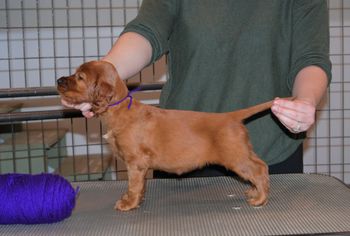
(84, 107)
(296, 115)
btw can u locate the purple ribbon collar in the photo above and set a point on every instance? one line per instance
(127, 96)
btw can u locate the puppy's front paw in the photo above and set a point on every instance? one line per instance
(257, 201)
(124, 205)
(127, 203)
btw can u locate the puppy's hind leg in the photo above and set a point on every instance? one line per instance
(255, 171)
(258, 193)
(136, 189)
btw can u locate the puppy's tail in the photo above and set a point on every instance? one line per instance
(245, 113)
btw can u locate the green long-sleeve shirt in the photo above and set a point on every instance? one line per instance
(225, 55)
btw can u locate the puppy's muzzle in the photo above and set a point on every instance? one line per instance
(62, 83)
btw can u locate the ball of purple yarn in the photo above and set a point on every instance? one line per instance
(35, 199)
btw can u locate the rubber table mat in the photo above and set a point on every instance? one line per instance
(298, 204)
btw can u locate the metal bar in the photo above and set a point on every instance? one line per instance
(64, 8)
(27, 92)
(43, 115)
(146, 87)
(343, 91)
(8, 45)
(24, 47)
(50, 91)
(39, 115)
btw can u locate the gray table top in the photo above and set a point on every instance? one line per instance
(298, 204)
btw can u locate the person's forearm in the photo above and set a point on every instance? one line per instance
(130, 54)
(310, 85)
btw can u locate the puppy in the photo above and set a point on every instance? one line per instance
(146, 137)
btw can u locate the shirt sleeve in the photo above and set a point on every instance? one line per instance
(310, 42)
(155, 22)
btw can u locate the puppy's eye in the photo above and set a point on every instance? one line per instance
(79, 77)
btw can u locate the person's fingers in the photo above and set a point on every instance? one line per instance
(292, 125)
(65, 103)
(84, 107)
(88, 114)
(296, 115)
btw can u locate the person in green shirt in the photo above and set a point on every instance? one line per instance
(225, 55)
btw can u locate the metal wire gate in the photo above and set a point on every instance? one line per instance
(41, 40)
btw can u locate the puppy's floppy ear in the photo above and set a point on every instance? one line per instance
(102, 96)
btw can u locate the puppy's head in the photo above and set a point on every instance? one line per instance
(93, 82)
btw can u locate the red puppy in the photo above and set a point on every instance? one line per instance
(145, 137)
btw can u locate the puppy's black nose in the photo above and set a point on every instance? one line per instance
(62, 82)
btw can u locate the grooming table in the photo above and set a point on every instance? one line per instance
(298, 204)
